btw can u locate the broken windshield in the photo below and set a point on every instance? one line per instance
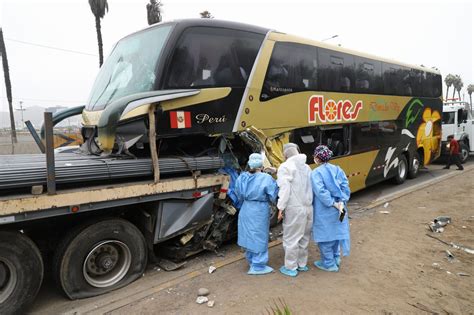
(130, 67)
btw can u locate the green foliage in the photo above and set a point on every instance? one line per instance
(206, 15)
(279, 308)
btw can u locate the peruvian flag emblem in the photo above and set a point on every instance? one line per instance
(180, 119)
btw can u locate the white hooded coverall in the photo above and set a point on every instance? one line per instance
(295, 198)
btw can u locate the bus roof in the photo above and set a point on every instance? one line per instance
(277, 36)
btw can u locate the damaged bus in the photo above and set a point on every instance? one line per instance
(174, 113)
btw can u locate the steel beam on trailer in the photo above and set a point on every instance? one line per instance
(51, 173)
(35, 136)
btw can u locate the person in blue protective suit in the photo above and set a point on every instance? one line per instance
(255, 190)
(330, 220)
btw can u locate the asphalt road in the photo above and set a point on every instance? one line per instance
(51, 301)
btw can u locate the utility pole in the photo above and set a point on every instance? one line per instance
(8, 85)
(21, 109)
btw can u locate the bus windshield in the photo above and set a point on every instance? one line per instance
(130, 68)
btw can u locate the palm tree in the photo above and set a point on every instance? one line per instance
(98, 8)
(449, 80)
(206, 15)
(153, 12)
(459, 86)
(8, 84)
(470, 89)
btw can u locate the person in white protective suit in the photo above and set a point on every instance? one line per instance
(295, 208)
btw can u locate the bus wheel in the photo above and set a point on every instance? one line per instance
(464, 152)
(415, 166)
(100, 257)
(402, 170)
(21, 272)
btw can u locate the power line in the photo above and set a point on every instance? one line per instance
(50, 47)
(41, 100)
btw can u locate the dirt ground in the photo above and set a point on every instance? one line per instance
(394, 268)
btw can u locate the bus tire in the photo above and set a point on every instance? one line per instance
(463, 152)
(402, 170)
(414, 166)
(21, 272)
(100, 257)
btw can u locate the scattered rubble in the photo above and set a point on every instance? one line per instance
(385, 212)
(212, 269)
(202, 299)
(203, 292)
(211, 303)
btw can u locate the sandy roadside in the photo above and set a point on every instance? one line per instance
(390, 269)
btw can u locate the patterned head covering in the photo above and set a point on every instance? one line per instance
(255, 160)
(323, 153)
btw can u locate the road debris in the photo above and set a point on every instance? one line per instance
(386, 204)
(449, 255)
(384, 212)
(442, 220)
(203, 292)
(202, 299)
(212, 269)
(211, 303)
(463, 274)
(436, 266)
(467, 250)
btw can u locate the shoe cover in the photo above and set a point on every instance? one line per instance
(264, 271)
(288, 272)
(319, 264)
(338, 261)
(305, 268)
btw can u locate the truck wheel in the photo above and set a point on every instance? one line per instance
(99, 257)
(415, 166)
(464, 152)
(21, 272)
(402, 170)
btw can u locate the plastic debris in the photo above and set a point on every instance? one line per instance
(464, 227)
(211, 303)
(385, 212)
(442, 220)
(449, 272)
(202, 299)
(386, 205)
(463, 274)
(203, 292)
(212, 269)
(436, 265)
(450, 255)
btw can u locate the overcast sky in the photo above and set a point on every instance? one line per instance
(432, 33)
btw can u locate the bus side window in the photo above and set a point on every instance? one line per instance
(336, 71)
(307, 139)
(213, 57)
(368, 76)
(336, 140)
(364, 137)
(292, 68)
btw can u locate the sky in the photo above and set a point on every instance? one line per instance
(433, 33)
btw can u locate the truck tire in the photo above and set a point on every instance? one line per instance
(415, 166)
(99, 257)
(402, 170)
(463, 152)
(21, 272)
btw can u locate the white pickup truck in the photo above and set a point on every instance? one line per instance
(458, 121)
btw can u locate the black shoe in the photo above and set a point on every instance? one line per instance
(460, 169)
(445, 168)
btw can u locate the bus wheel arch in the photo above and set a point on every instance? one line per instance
(464, 150)
(99, 257)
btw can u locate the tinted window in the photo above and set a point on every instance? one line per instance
(368, 76)
(336, 138)
(396, 80)
(307, 139)
(213, 57)
(364, 137)
(431, 84)
(415, 82)
(292, 68)
(336, 71)
(448, 118)
(388, 133)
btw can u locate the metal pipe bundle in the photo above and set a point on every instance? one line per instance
(18, 171)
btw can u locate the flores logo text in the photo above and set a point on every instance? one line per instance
(332, 111)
